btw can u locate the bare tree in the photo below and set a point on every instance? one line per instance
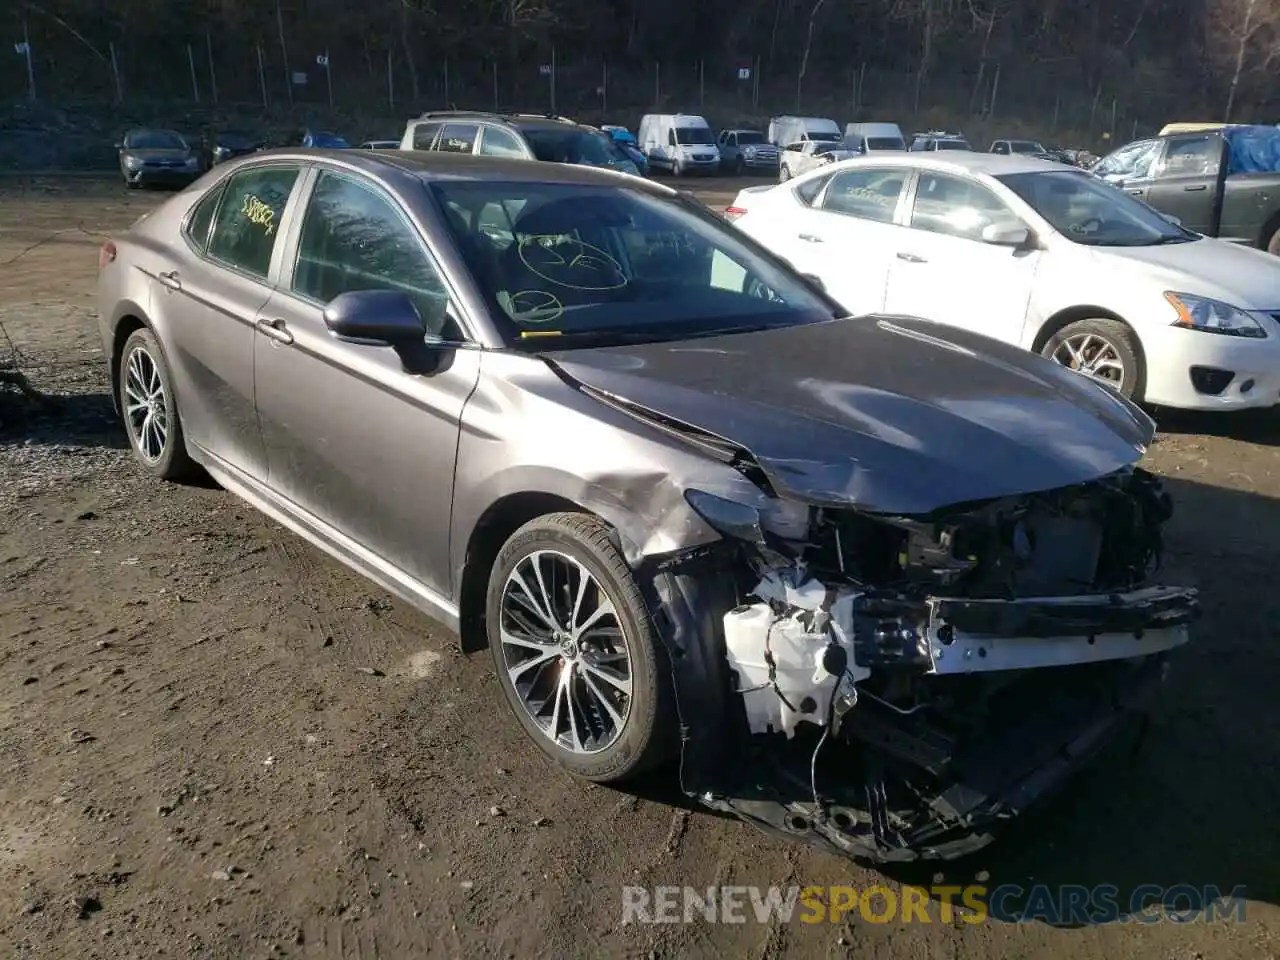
(1243, 39)
(808, 46)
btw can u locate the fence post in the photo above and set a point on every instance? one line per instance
(755, 86)
(496, 98)
(115, 72)
(1057, 105)
(657, 82)
(1113, 121)
(262, 76)
(391, 82)
(213, 75)
(191, 62)
(31, 70)
(862, 84)
(284, 52)
(702, 84)
(553, 80)
(328, 75)
(604, 85)
(1133, 135)
(995, 89)
(446, 83)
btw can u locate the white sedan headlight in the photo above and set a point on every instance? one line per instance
(1213, 316)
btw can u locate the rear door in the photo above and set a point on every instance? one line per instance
(1185, 184)
(208, 303)
(846, 239)
(458, 138)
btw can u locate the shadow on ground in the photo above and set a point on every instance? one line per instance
(69, 419)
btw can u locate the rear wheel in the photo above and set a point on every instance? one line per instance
(149, 410)
(1102, 349)
(739, 167)
(575, 650)
(783, 173)
(1273, 245)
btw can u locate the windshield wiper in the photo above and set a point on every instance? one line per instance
(607, 337)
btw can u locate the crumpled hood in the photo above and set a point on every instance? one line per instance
(1239, 275)
(889, 414)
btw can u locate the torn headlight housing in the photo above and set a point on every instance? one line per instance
(750, 522)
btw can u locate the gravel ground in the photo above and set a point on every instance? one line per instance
(219, 743)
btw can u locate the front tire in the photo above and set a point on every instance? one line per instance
(676, 169)
(1105, 350)
(575, 650)
(784, 174)
(149, 410)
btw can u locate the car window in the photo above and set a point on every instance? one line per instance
(558, 259)
(353, 238)
(797, 147)
(957, 208)
(496, 142)
(808, 190)
(1132, 162)
(201, 218)
(1001, 147)
(1192, 156)
(458, 138)
(424, 135)
(865, 194)
(247, 224)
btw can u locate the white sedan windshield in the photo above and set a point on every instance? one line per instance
(1092, 212)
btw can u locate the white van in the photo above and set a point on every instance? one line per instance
(873, 137)
(788, 130)
(679, 142)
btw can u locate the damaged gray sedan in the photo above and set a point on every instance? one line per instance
(880, 584)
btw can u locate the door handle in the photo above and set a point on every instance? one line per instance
(810, 238)
(1195, 187)
(276, 330)
(911, 258)
(169, 280)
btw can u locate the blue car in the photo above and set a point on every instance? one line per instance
(317, 138)
(626, 141)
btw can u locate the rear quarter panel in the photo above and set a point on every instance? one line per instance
(1250, 205)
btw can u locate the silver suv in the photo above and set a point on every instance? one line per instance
(520, 136)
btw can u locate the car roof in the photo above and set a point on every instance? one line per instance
(957, 161)
(430, 165)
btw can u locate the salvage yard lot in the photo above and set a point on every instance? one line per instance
(218, 742)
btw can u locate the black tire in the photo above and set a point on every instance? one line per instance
(739, 168)
(172, 462)
(646, 736)
(1118, 337)
(784, 174)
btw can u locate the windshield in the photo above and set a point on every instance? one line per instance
(1026, 146)
(825, 136)
(1093, 213)
(749, 136)
(563, 262)
(154, 140)
(572, 145)
(330, 140)
(953, 144)
(886, 143)
(694, 135)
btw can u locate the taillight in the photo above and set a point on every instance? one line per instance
(107, 254)
(733, 213)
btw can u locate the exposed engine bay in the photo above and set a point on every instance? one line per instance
(897, 686)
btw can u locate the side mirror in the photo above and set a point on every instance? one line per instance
(815, 282)
(375, 318)
(1006, 235)
(1176, 221)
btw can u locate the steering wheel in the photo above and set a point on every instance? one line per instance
(1089, 225)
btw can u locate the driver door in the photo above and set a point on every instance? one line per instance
(1130, 167)
(1186, 181)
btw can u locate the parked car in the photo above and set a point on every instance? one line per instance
(627, 143)
(805, 155)
(688, 508)
(1192, 176)
(520, 136)
(151, 157)
(743, 151)
(784, 130)
(224, 145)
(874, 137)
(316, 139)
(678, 142)
(380, 145)
(1041, 256)
(1033, 147)
(936, 140)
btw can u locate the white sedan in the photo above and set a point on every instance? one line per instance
(1037, 254)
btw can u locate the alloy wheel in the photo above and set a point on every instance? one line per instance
(565, 652)
(146, 405)
(1092, 355)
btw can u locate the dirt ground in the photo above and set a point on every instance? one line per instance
(217, 742)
